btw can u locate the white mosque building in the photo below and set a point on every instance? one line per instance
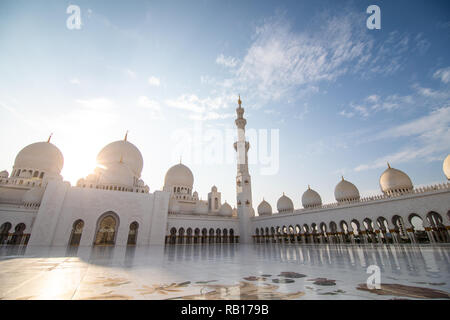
(114, 206)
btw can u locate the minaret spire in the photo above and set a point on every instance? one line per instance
(243, 179)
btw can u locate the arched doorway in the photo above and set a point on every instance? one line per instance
(211, 235)
(399, 228)
(323, 232)
(189, 235)
(107, 226)
(439, 231)
(181, 235)
(132, 234)
(218, 235)
(204, 235)
(75, 235)
(383, 226)
(232, 236)
(369, 230)
(173, 235)
(196, 235)
(356, 230)
(417, 228)
(225, 236)
(17, 236)
(4, 232)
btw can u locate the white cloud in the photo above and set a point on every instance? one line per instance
(443, 74)
(430, 93)
(210, 116)
(153, 106)
(347, 114)
(201, 109)
(373, 98)
(430, 138)
(130, 73)
(97, 103)
(230, 62)
(154, 81)
(75, 81)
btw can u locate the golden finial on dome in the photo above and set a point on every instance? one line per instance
(126, 136)
(50, 137)
(342, 178)
(239, 101)
(389, 166)
(309, 187)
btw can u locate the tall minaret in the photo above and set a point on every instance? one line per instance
(243, 180)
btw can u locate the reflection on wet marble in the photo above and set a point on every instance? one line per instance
(224, 271)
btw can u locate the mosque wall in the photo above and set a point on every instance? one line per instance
(420, 204)
(15, 215)
(62, 205)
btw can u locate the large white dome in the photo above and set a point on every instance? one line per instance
(125, 151)
(346, 191)
(41, 156)
(393, 180)
(264, 208)
(311, 199)
(117, 174)
(285, 204)
(179, 175)
(446, 167)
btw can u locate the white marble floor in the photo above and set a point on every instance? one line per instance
(224, 271)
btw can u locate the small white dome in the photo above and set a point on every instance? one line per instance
(446, 167)
(393, 180)
(4, 174)
(117, 174)
(226, 210)
(311, 199)
(285, 204)
(213, 189)
(346, 191)
(33, 196)
(140, 183)
(124, 151)
(41, 156)
(179, 175)
(264, 208)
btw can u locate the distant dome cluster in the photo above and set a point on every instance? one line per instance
(392, 182)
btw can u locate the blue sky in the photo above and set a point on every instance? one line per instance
(343, 98)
